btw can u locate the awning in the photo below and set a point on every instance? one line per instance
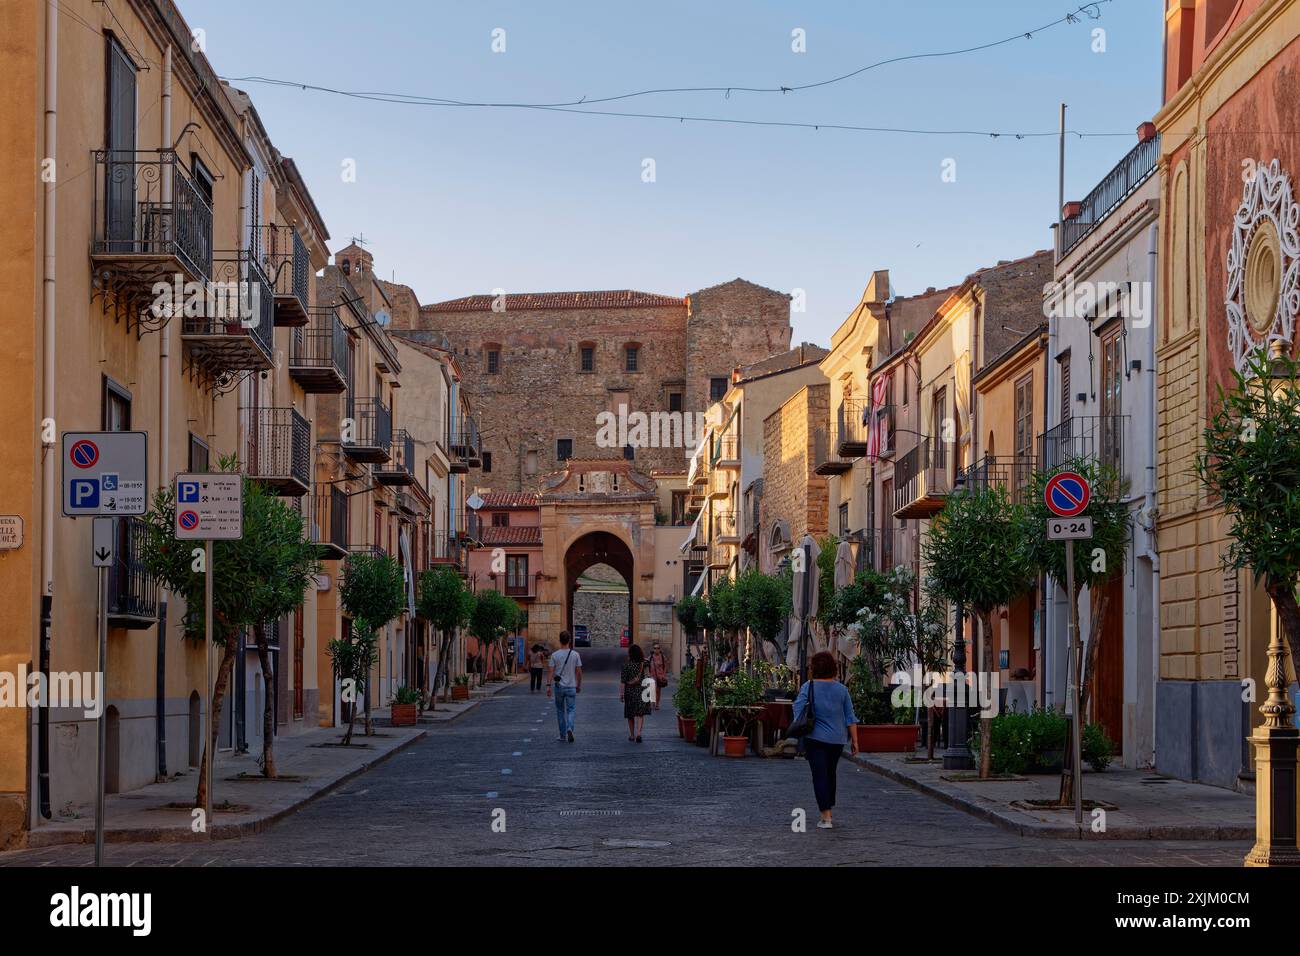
(695, 458)
(695, 530)
(406, 570)
(699, 585)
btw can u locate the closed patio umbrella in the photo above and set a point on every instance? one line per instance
(844, 573)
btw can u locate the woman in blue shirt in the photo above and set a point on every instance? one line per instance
(835, 719)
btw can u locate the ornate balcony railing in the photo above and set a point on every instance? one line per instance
(826, 461)
(466, 449)
(448, 547)
(726, 451)
(1015, 474)
(400, 468)
(132, 590)
(850, 432)
(236, 330)
(319, 357)
(372, 431)
(1096, 437)
(922, 479)
(278, 451)
(147, 208)
(1115, 187)
(725, 527)
(289, 268)
(330, 517)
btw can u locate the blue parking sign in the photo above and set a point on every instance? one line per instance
(108, 481)
(187, 492)
(85, 492)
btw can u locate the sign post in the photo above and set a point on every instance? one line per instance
(209, 506)
(104, 475)
(1067, 495)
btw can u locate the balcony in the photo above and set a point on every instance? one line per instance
(720, 555)
(319, 357)
(466, 450)
(330, 522)
(726, 452)
(850, 432)
(697, 558)
(1015, 474)
(289, 268)
(1130, 173)
(132, 590)
(922, 481)
(236, 329)
(524, 587)
(864, 549)
(1097, 438)
(826, 461)
(400, 469)
(372, 431)
(725, 527)
(151, 224)
(278, 450)
(448, 547)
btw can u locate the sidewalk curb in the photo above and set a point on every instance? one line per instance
(38, 839)
(1052, 831)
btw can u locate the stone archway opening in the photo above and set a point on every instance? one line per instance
(598, 584)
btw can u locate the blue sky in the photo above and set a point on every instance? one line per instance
(459, 200)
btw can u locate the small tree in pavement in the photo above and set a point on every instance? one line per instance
(373, 593)
(493, 616)
(446, 603)
(976, 555)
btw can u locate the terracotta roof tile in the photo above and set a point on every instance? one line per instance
(508, 499)
(519, 534)
(528, 301)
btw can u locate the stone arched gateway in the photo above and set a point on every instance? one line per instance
(597, 511)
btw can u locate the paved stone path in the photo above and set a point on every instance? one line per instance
(605, 801)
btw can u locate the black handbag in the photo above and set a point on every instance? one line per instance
(805, 724)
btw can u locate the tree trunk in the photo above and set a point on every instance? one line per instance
(352, 720)
(929, 733)
(986, 722)
(1288, 614)
(268, 709)
(214, 708)
(444, 644)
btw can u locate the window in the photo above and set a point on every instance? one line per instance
(632, 355)
(588, 353)
(516, 574)
(492, 358)
(674, 401)
(487, 462)
(717, 388)
(1067, 408)
(1112, 377)
(939, 414)
(886, 525)
(117, 407)
(203, 179)
(679, 507)
(629, 452)
(907, 383)
(119, 139)
(844, 518)
(563, 449)
(198, 461)
(1024, 422)
(530, 463)
(500, 519)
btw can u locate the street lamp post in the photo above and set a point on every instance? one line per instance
(958, 756)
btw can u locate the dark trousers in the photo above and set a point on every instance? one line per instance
(823, 758)
(535, 681)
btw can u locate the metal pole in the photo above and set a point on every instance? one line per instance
(208, 572)
(1060, 188)
(100, 772)
(1076, 726)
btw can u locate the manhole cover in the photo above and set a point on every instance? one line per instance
(636, 844)
(591, 813)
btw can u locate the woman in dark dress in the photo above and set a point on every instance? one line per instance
(635, 704)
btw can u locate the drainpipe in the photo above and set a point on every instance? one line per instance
(48, 372)
(1153, 260)
(164, 441)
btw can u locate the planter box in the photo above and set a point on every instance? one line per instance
(460, 691)
(734, 746)
(686, 726)
(886, 738)
(404, 715)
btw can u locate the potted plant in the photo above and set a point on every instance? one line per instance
(883, 727)
(405, 702)
(686, 699)
(736, 698)
(460, 687)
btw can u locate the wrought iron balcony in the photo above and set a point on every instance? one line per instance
(236, 329)
(289, 268)
(922, 480)
(448, 547)
(330, 519)
(850, 432)
(726, 452)
(521, 586)
(400, 469)
(132, 590)
(371, 432)
(825, 460)
(151, 223)
(1015, 474)
(720, 554)
(466, 449)
(864, 549)
(319, 357)
(697, 557)
(1099, 438)
(278, 450)
(725, 527)
(1130, 173)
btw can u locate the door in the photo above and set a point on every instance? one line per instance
(120, 228)
(297, 664)
(1108, 688)
(1112, 377)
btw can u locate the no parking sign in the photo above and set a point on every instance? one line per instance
(104, 473)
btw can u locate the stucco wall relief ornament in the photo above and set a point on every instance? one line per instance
(1263, 295)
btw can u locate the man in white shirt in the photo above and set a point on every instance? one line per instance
(564, 674)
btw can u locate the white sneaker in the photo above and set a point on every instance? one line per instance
(825, 825)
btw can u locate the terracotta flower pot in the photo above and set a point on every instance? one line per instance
(460, 691)
(734, 746)
(886, 738)
(688, 727)
(404, 715)
(680, 731)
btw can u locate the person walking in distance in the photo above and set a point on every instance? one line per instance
(536, 665)
(564, 670)
(636, 692)
(659, 671)
(832, 711)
